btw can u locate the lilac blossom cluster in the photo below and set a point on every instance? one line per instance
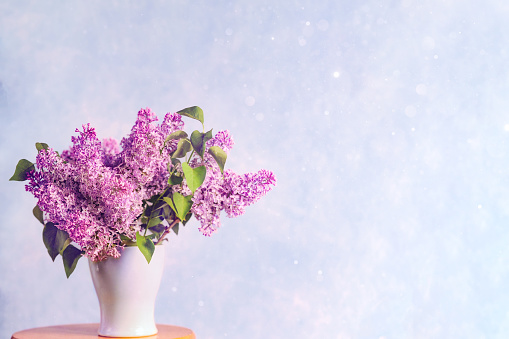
(229, 192)
(95, 191)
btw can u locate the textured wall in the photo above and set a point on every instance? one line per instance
(386, 123)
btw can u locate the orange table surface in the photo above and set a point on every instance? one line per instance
(87, 331)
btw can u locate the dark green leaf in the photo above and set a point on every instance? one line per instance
(176, 135)
(207, 136)
(175, 162)
(70, 257)
(38, 214)
(148, 211)
(22, 168)
(194, 112)
(153, 222)
(183, 147)
(175, 229)
(158, 229)
(175, 180)
(219, 155)
(180, 204)
(146, 246)
(40, 146)
(144, 220)
(54, 239)
(126, 240)
(188, 217)
(194, 176)
(158, 205)
(172, 165)
(199, 141)
(169, 215)
(167, 211)
(170, 203)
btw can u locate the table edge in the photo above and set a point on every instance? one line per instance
(190, 335)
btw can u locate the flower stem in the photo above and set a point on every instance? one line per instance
(166, 231)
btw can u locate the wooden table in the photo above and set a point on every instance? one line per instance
(87, 331)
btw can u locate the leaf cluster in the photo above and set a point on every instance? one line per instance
(57, 242)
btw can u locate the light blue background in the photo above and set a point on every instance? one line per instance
(386, 123)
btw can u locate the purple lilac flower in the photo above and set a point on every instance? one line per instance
(111, 149)
(222, 139)
(231, 192)
(141, 157)
(95, 191)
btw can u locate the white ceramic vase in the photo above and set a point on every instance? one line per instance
(127, 288)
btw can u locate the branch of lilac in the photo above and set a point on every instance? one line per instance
(167, 231)
(98, 195)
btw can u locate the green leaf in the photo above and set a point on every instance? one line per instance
(54, 239)
(194, 176)
(167, 212)
(180, 204)
(188, 217)
(146, 246)
(175, 229)
(172, 166)
(199, 141)
(183, 147)
(175, 180)
(170, 203)
(174, 162)
(194, 112)
(70, 257)
(153, 222)
(174, 136)
(40, 146)
(126, 240)
(219, 155)
(151, 236)
(157, 230)
(207, 136)
(38, 214)
(22, 168)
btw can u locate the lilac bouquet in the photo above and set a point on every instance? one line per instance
(98, 197)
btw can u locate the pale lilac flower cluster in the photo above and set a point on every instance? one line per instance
(230, 192)
(233, 194)
(95, 191)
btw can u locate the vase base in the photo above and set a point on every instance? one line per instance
(126, 336)
(127, 333)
